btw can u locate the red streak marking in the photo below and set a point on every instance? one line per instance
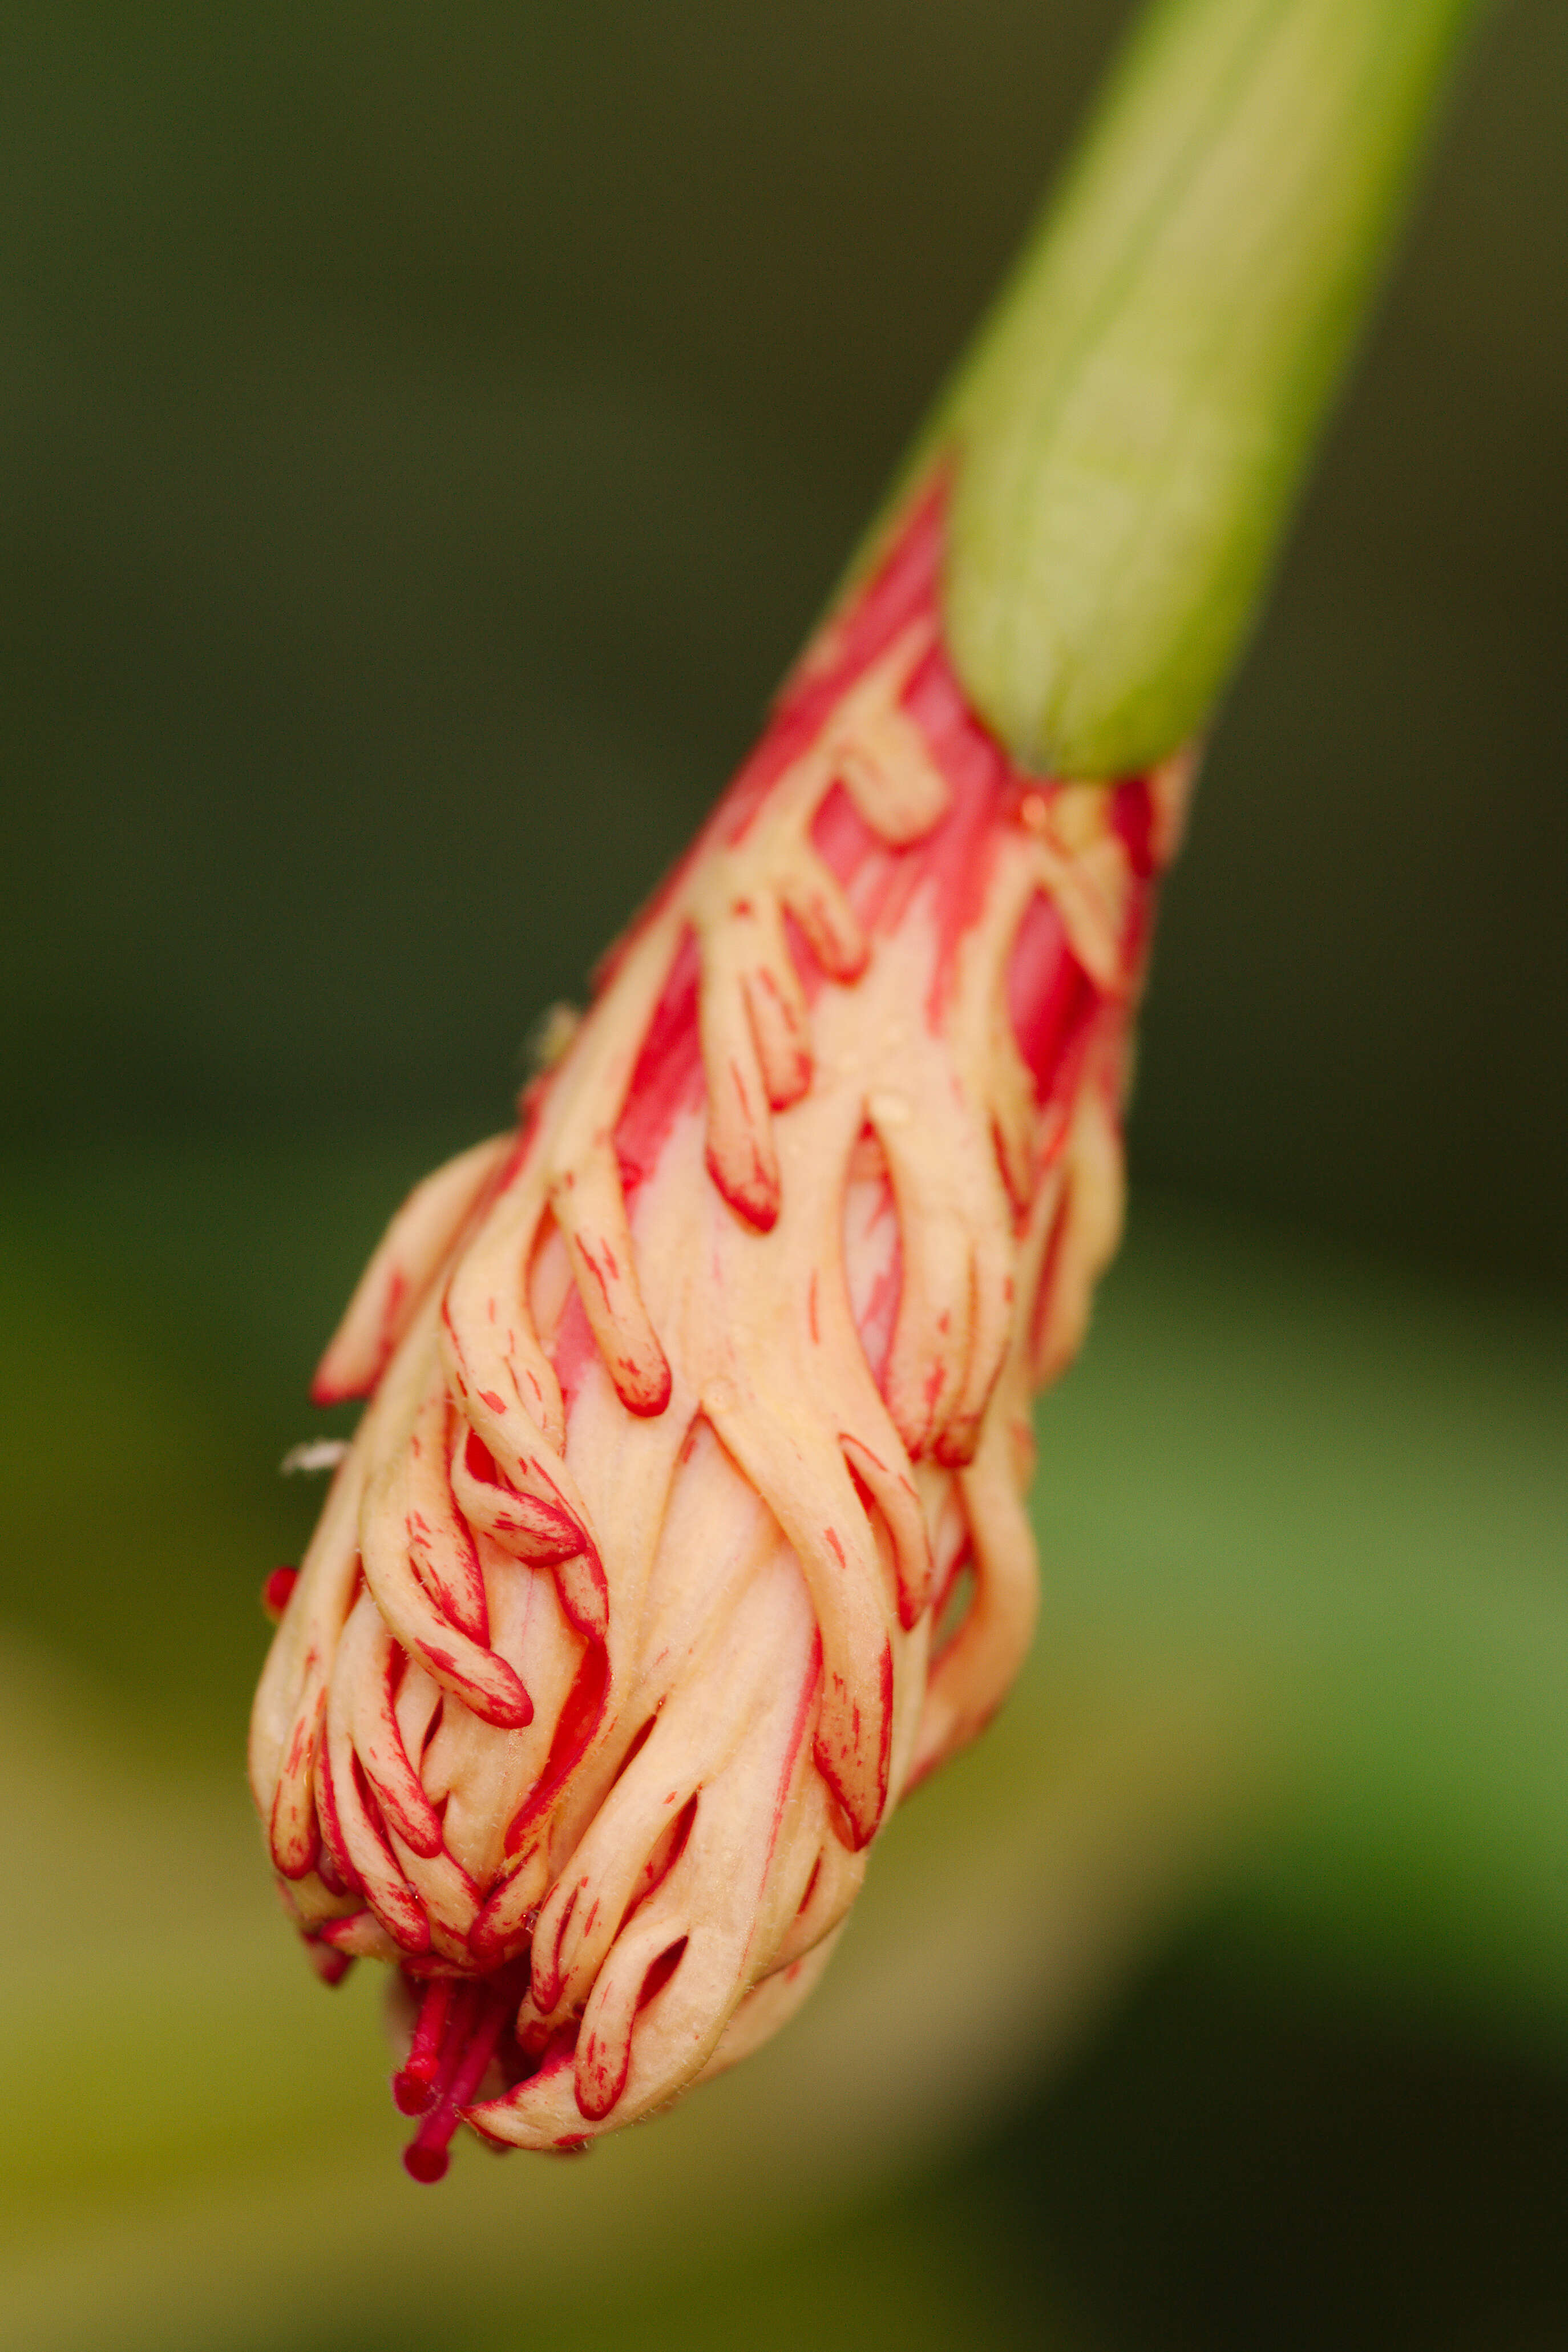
(635, 1748)
(326, 1870)
(547, 1965)
(1050, 998)
(477, 1459)
(1133, 820)
(811, 1312)
(277, 1591)
(668, 1077)
(576, 1350)
(392, 1311)
(659, 1974)
(664, 1852)
(806, 1706)
(830, 1537)
(879, 1318)
(334, 1931)
(948, 870)
(406, 1919)
(840, 1822)
(848, 846)
(496, 1403)
(901, 590)
(333, 1830)
(578, 1721)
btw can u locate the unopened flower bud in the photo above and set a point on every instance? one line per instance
(682, 1530)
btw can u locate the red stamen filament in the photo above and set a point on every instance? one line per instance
(413, 2087)
(476, 2015)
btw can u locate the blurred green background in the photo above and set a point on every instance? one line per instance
(423, 438)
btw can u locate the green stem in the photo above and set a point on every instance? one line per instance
(1134, 420)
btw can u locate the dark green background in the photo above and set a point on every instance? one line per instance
(425, 435)
(428, 433)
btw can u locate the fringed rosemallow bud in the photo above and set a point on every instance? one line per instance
(683, 1531)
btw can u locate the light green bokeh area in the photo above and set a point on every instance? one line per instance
(1302, 1683)
(424, 439)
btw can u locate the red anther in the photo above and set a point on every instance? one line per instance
(277, 1591)
(411, 2096)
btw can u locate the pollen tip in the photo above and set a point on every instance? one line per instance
(412, 2095)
